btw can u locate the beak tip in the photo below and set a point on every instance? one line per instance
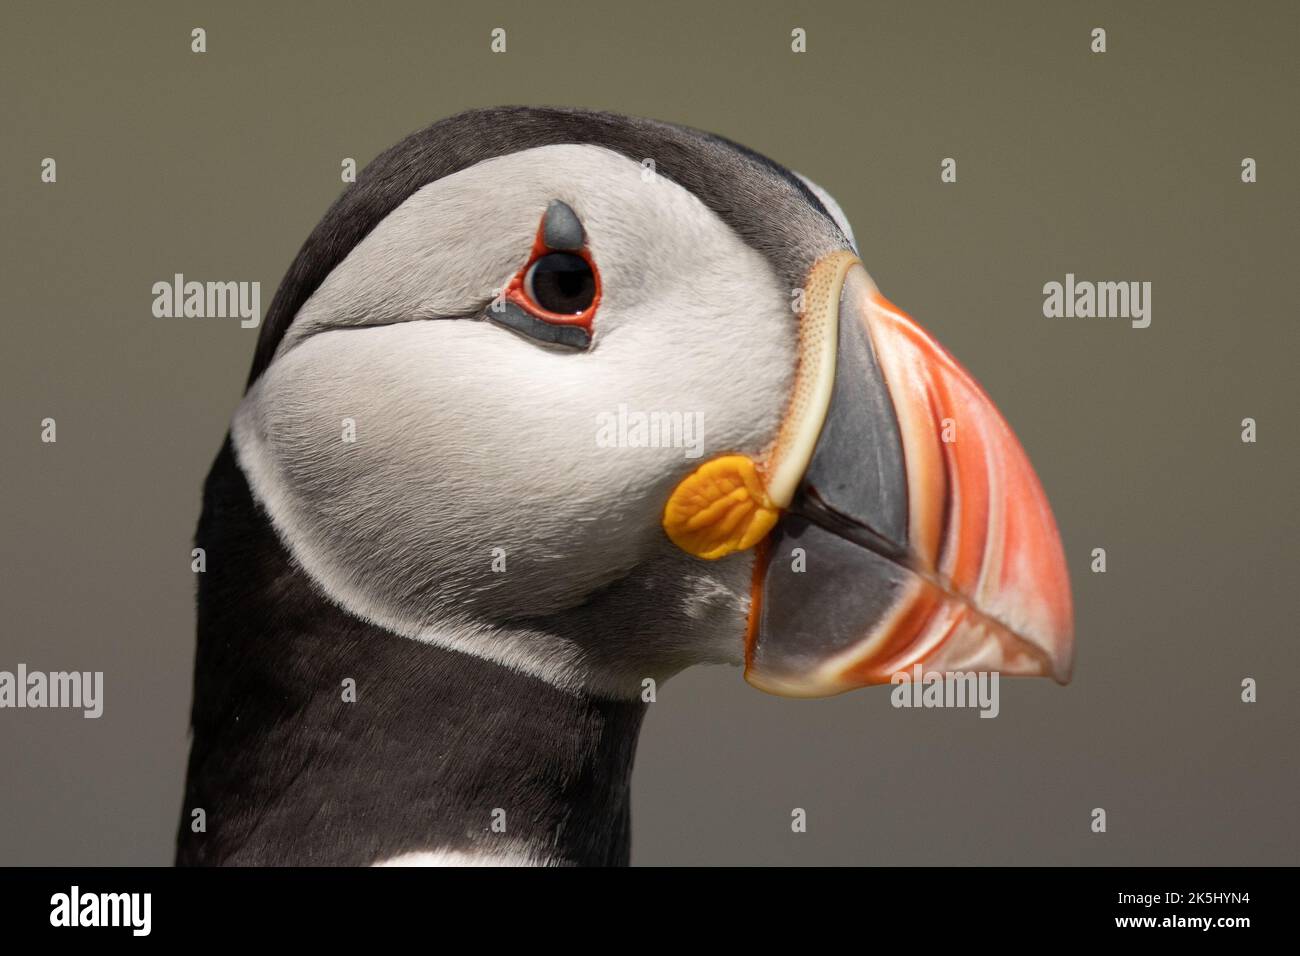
(1065, 669)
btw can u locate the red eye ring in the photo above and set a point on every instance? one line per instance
(516, 290)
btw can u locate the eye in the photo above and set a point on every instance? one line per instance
(561, 283)
(553, 299)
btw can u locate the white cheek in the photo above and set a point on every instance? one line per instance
(457, 467)
(475, 449)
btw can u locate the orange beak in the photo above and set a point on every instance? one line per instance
(919, 535)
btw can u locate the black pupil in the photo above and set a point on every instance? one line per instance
(563, 283)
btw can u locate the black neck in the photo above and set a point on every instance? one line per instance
(288, 772)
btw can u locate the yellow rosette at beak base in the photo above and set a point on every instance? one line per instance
(719, 508)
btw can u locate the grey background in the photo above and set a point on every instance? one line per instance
(1116, 166)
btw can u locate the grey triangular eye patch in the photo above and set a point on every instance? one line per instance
(561, 229)
(512, 317)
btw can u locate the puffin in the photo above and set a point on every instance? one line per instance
(441, 586)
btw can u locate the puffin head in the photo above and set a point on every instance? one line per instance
(598, 398)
